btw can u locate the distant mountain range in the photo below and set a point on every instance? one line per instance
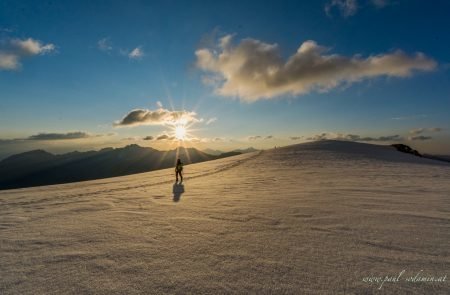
(39, 167)
(218, 152)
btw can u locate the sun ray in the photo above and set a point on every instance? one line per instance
(180, 132)
(183, 144)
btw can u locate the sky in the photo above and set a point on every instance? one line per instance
(81, 75)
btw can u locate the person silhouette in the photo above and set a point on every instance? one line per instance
(179, 170)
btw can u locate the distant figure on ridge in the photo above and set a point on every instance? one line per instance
(179, 170)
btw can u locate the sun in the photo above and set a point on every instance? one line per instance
(180, 132)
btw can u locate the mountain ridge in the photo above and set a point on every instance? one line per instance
(38, 167)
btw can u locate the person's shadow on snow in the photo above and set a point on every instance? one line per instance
(178, 189)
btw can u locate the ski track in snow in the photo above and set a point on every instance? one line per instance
(313, 218)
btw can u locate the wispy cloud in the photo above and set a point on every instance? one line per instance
(345, 7)
(159, 116)
(295, 137)
(63, 136)
(422, 130)
(211, 120)
(256, 137)
(131, 138)
(136, 53)
(409, 117)
(415, 134)
(353, 137)
(420, 137)
(435, 129)
(254, 70)
(6, 30)
(104, 44)
(48, 136)
(12, 51)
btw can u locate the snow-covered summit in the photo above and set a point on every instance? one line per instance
(314, 218)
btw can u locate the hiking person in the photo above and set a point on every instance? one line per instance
(179, 170)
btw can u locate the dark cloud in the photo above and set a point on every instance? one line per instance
(157, 117)
(253, 70)
(61, 136)
(295, 137)
(148, 138)
(423, 130)
(55, 136)
(435, 129)
(165, 137)
(419, 137)
(387, 138)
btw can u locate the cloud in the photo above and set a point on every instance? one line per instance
(253, 70)
(157, 117)
(417, 131)
(346, 7)
(435, 129)
(12, 51)
(159, 104)
(56, 136)
(295, 137)
(409, 117)
(104, 44)
(353, 137)
(256, 137)
(419, 137)
(136, 53)
(148, 138)
(211, 120)
(165, 137)
(6, 30)
(131, 138)
(422, 130)
(61, 136)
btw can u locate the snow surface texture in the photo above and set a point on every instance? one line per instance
(315, 218)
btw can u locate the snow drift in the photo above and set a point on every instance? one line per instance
(317, 218)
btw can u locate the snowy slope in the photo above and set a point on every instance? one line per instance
(313, 218)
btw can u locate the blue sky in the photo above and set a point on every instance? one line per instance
(71, 69)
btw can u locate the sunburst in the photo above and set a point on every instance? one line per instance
(180, 132)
